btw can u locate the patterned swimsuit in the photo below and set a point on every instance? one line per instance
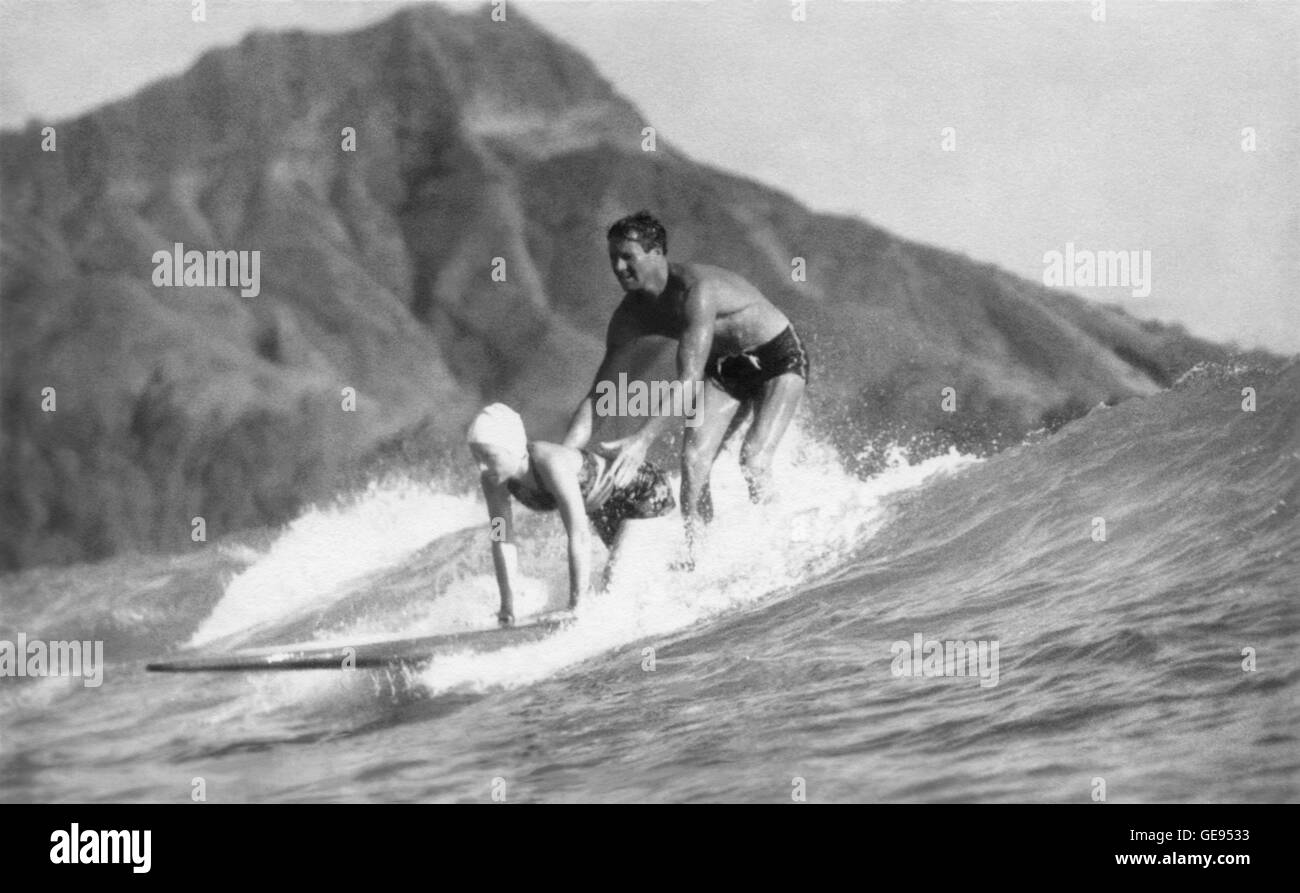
(648, 496)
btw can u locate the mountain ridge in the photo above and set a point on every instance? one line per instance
(474, 141)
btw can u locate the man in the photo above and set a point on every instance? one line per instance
(735, 349)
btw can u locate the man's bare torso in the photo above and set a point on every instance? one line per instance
(744, 318)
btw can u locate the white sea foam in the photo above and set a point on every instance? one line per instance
(749, 557)
(751, 554)
(323, 552)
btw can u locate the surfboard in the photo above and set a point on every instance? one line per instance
(365, 655)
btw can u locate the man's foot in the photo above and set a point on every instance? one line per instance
(685, 563)
(505, 618)
(759, 483)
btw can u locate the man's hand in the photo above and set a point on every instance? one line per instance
(599, 493)
(625, 457)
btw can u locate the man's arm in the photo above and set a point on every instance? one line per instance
(697, 340)
(580, 425)
(693, 348)
(621, 330)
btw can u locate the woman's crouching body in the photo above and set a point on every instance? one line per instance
(551, 477)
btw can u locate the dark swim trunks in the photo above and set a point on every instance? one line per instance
(743, 374)
(648, 496)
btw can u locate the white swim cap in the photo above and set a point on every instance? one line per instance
(500, 426)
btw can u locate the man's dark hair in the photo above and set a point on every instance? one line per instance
(643, 228)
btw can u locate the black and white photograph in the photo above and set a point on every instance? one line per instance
(721, 402)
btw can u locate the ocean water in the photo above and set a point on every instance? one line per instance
(1158, 660)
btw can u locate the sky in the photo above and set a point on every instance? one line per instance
(1121, 134)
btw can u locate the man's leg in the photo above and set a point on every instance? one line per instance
(699, 448)
(772, 415)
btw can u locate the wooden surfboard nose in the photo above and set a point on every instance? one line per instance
(366, 655)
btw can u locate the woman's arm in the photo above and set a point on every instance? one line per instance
(557, 468)
(505, 554)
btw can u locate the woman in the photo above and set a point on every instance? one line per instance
(546, 477)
